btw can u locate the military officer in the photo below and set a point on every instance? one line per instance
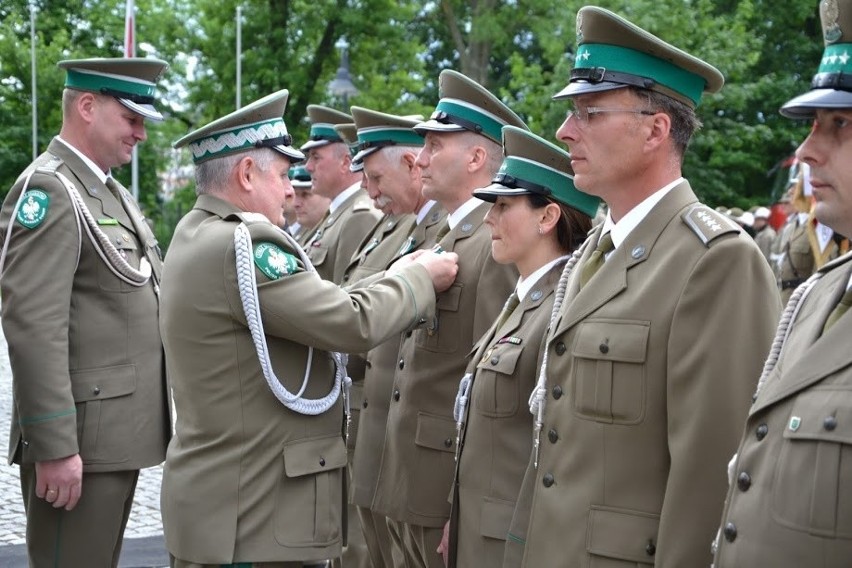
(388, 148)
(254, 472)
(310, 207)
(537, 220)
(350, 215)
(796, 258)
(650, 358)
(787, 503)
(80, 303)
(462, 151)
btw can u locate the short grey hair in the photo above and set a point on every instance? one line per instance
(211, 175)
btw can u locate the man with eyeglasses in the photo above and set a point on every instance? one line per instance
(654, 350)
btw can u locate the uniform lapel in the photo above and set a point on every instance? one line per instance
(611, 279)
(90, 187)
(467, 226)
(821, 355)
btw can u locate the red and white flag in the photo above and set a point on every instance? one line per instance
(129, 30)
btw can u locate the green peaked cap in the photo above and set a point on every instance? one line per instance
(258, 125)
(613, 53)
(323, 120)
(467, 105)
(831, 87)
(131, 80)
(377, 130)
(532, 165)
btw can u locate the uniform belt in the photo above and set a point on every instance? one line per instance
(794, 283)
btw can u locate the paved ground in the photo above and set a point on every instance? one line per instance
(143, 538)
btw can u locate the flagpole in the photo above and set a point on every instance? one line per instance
(33, 71)
(239, 53)
(130, 51)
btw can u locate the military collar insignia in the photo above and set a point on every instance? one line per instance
(370, 246)
(536, 295)
(273, 261)
(467, 227)
(638, 252)
(33, 209)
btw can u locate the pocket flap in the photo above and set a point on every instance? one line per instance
(496, 517)
(622, 534)
(502, 358)
(821, 414)
(305, 457)
(102, 383)
(435, 432)
(449, 299)
(613, 340)
(317, 254)
(120, 237)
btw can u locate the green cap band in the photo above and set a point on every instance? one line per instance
(491, 125)
(626, 60)
(324, 131)
(86, 81)
(836, 59)
(237, 139)
(379, 136)
(560, 184)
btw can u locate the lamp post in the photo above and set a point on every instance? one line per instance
(342, 85)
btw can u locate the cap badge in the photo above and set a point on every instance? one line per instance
(579, 28)
(831, 30)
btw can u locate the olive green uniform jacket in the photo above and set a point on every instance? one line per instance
(496, 439)
(416, 471)
(790, 500)
(650, 371)
(246, 479)
(375, 254)
(87, 361)
(378, 380)
(335, 240)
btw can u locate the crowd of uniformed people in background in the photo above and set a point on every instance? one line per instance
(439, 341)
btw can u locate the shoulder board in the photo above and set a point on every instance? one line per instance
(708, 224)
(250, 218)
(50, 166)
(363, 204)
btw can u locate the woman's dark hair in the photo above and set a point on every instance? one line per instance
(572, 226)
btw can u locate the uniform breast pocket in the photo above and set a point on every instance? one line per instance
(128, 249)
(105, 413)
(609, 370)
(440, 335)
(317, 254)
(496, 388)
(812, 488)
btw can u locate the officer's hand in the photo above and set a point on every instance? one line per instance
(442, 268)
(60, 482)
(444, 546)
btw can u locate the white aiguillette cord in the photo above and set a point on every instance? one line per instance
(539, 394)
(116, 263)
(247, 282)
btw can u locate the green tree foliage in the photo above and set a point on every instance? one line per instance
(520, 49)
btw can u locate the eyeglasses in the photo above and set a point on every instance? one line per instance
(584, 115)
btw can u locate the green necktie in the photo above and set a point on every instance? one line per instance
(596, 259)
(508, 308)
(841, 308)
